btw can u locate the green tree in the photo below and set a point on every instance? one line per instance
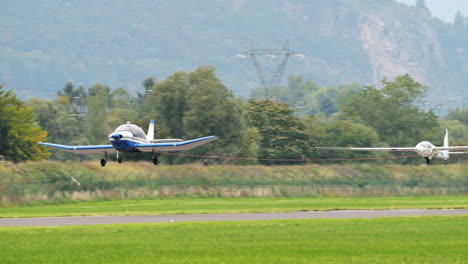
(18, 130)
(298, 92)
(196, 104)
(306, 97)
(333, 132)
(391, 111)
(143, 102)
(98, 103)
(459, 114)
(458, 136)
(249, 146)
(458, 132)
(212, 108)
(282, 135)
(326, 100)
(122, 109)
(169, 102)
(63, 125)
(148, 83)
(76, 96)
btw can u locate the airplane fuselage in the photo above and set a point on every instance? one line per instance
(427, 150)
(125, 145)
(127, 138)
(124, 141)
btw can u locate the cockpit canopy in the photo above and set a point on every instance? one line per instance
(135, 130)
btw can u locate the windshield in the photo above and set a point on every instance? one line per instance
(136, 131)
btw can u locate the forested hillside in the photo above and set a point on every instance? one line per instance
(118, 43)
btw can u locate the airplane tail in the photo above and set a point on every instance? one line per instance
(446, 140)
(150, 135)
(446, 144)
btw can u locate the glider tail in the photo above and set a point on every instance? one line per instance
(446, 140)
(150, 135)
(446, 144)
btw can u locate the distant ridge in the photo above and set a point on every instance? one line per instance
(119, 43)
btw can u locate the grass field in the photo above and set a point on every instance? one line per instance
(229, 205)
(381, 240)
(55, 181)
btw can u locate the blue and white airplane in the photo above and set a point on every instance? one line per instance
(131, 138)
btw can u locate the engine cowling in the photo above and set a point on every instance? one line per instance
(116, 136)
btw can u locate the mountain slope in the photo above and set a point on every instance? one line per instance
(119, 43)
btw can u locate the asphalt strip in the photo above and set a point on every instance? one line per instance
(128, 219)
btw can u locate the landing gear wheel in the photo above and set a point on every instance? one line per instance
(428, 161)
(119, 159)
(103, 162)
(155, 160)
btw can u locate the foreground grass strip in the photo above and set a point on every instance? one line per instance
(57, 181)
(381, 240)
(230, 205)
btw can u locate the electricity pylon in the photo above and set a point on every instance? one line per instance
(275, 78)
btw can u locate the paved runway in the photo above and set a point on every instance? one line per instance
(98, 220)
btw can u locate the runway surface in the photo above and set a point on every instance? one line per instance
(99, 220)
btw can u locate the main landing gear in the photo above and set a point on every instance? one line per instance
(119, 159)
(155, 160)
(428, 161)
(104, 160)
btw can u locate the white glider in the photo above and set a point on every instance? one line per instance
(424, 149)
(131, 138)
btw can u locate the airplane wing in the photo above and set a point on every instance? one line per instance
(174, 146)
(90, 149)
(144, 147)
(455, 148)
(365, 149)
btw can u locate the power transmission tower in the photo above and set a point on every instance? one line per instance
(275, 77)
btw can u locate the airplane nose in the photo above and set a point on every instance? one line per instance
(116, 136)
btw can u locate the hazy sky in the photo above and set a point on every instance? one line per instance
(444, 9)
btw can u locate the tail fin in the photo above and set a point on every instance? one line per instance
(446, 140)
(150, 135)
(446, 144)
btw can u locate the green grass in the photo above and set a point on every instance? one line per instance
(228, 205)
(51, 181)
(381, 240)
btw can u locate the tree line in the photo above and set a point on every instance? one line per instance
(280, 125)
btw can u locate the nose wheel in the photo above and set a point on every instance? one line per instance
(119, 158)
